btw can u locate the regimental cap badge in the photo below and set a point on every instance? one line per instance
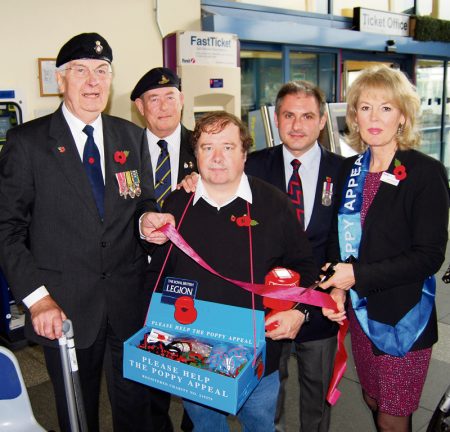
(98, 47)
(85, 46)
(163, 80)
(155, 78)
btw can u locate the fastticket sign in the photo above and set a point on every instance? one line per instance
(374, 21)
(207, 48)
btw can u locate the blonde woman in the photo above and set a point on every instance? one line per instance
(392, 226)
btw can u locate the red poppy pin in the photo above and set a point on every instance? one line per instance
(121, 156)
(243, 221)
(399, 170)
(61, 149)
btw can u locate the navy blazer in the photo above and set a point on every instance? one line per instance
(268, 165)
(51, 233)
(403, 241)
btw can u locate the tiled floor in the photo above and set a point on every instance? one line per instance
(349, 414)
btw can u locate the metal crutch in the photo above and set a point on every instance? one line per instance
(75, 404)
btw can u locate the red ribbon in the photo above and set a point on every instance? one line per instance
(296, 294)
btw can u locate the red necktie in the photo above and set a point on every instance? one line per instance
(295, 192)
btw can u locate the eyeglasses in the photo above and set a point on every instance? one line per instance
(80, 71)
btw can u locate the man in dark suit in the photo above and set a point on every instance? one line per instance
(300, 116)
(69, 186)
(158, 98)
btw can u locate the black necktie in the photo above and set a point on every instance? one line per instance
(295, 192)
(91, 162)
(163, 181)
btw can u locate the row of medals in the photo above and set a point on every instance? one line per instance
(129, 183)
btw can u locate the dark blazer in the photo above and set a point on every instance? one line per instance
(51, 233)
(188, 162)
(268, 165)
(403, 240)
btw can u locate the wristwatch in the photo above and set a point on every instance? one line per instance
(305, 311)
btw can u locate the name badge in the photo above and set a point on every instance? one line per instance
(389, 178)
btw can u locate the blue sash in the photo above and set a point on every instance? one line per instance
(394, 340)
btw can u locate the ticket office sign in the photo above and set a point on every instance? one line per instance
(215, 322)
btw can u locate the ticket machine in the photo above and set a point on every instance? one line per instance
(12, 317)
(11, 112)
(209, 67)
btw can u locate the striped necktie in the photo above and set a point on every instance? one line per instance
(163, 181)
(295, 192)
(91, 162)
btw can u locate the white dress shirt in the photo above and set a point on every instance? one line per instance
(243, 191)
(76, 127)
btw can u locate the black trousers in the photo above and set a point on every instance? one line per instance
(134, 407)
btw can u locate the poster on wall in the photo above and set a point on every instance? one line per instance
(48, 85)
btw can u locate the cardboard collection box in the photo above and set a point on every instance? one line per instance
(215, 324)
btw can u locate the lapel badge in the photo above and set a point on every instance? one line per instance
(189, 165)
(163, 80)
(120, 156)
(98, 47)
(327, 192)
(61, 149)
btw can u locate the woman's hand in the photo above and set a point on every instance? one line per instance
(343, 277)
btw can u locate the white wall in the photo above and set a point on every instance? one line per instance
(33, 29)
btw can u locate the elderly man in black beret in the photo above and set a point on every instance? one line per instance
(70, 183)
(158, 98)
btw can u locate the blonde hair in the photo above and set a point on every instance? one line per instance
(403, 96)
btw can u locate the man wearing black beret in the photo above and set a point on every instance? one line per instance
(70, 183)
(158, 98)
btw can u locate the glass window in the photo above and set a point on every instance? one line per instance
(345, 7)
(424, 7)
(261, 76)
(402, 6)
(318, 6)
(430, 85)
(320, 69)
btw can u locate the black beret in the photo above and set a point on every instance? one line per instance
(155, 78)
(85, 46)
